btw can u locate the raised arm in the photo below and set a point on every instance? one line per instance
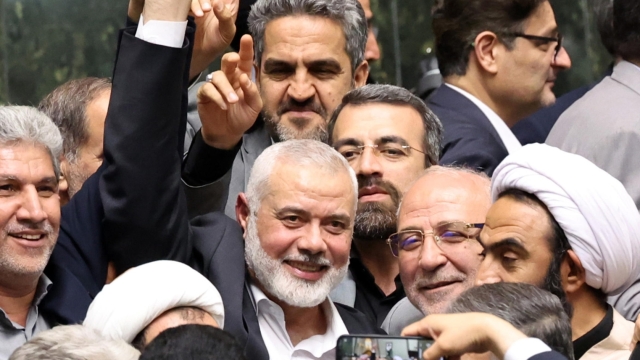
(144, 208)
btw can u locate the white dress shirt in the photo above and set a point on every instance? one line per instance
(165, 33)
(506, 135)
(524, 349)
(276, 338)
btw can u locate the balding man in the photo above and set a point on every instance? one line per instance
(558, 211)
(439, 220)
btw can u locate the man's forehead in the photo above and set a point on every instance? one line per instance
(295, 32)
(542, 22)
(509, 218)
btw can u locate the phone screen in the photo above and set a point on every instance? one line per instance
(374, 347)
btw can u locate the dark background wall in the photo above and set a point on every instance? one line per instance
(44, 43)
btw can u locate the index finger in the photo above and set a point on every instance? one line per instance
(246, 54)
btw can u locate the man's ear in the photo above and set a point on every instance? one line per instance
(63, 184)
(572, 272)
(256, 72)
(487, 50)
(242, 212)
(361, 74)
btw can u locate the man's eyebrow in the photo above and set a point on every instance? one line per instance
(410, 228)
(49, 180)
(340, 217)
(270, 64)
(508, 242)
(347, 141)
(291, 210)
(324, 63)
(392, 139)
(8, 177)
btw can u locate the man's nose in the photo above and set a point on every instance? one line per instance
(312, 241)
(431, 256)
(31, 207)
(562, 60)
(487, 274)
(301, 87)
(369, 163)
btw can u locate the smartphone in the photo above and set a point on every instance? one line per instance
(378, 347)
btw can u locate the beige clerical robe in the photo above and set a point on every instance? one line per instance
(616, 345)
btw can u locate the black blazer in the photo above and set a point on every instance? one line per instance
(469, 138)
(78, 264)
(549, 355)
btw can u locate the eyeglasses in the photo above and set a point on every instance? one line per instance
(544, 39)
(389, 151)
(448, 236)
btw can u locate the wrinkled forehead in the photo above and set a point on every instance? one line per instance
(304, 36)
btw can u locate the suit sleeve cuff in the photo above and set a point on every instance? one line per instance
(524, 349)
(165, 33)
(205, 164)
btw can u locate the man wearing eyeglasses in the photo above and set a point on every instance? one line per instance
(438, 223)
(499, 60)
(389, 137)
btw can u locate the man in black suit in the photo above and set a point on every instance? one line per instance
(499, 60)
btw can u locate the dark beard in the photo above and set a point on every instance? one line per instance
(375, 221)
(298, 127)
(553, 283)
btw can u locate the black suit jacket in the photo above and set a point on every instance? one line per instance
(549, 355)
(469, 138)
(78, 265)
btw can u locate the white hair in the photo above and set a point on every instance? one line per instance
(300, 154)
(74, 342)
(26, 124)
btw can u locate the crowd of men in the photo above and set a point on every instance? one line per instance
(283, 202)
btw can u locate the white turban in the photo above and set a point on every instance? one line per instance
(595, 211)
(133, 300)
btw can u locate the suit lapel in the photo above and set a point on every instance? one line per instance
(254, 347)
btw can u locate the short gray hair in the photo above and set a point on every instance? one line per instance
(25, 124)
(74, 342)
(394, 95)
(298, 153)
(347, 13)
(534, 311)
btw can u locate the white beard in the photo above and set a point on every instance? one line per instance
(279, 282)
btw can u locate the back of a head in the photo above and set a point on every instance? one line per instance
(626, 29)
(603, 11)
(456, 23)
(74, 342)
(535, 312)
(193, 342)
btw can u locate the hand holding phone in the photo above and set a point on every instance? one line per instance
(375, 347)
(457, 334)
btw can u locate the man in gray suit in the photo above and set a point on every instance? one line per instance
(604, 125)
(308, 54)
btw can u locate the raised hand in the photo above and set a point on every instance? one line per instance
(457, 334)
(229, 104)
(166, 10)
(215, 29)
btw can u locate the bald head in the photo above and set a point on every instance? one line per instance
(442, 198)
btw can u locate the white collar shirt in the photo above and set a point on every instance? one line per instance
(276, 338)
(506, 135)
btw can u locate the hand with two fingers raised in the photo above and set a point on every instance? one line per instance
(230, 103)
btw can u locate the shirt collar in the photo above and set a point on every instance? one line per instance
(317, 345)
(506, 135)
